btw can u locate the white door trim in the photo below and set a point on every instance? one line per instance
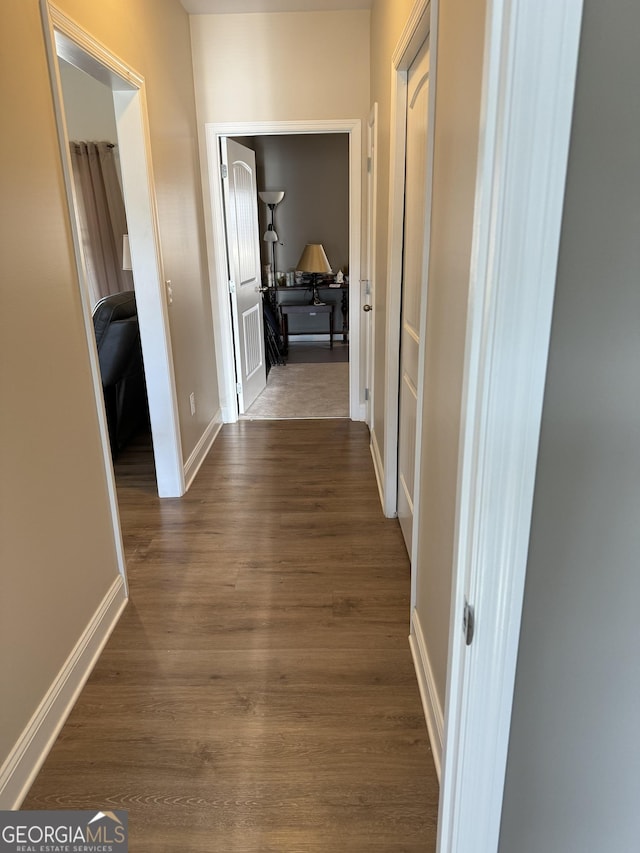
(528, 86)
(418, 27)
(135, 158)
(216, 242)
(372, 218)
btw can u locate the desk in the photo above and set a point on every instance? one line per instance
(324, 290)
(306, 308)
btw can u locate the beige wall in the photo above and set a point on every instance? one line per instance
(388, 19)
(57, 555)
(458, 82)
(281, 66)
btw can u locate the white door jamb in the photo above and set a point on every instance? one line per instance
(528, 87)
(216, 240)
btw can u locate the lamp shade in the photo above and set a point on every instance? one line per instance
(314, 259)
(271, 196)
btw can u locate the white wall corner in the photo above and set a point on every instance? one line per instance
(202, 448)
(30, 751)
(433, 711)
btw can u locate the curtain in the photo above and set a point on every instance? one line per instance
(101, 217)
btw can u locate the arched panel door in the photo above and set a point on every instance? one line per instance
(243, 248)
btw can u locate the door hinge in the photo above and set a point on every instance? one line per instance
(468, 623)
(224, 171)
(232, 286)
(366, 394)
(367, 286)
(238, 388)
(368, 164)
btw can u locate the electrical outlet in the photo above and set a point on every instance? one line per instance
(192, 402)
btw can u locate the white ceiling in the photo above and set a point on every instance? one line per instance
(225, 7)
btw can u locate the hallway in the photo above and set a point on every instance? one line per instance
(258, 693)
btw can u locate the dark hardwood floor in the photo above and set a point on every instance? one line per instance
(258, 693)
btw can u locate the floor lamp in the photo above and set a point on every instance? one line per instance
(272, 199)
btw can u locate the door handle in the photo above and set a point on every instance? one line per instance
(367, 307)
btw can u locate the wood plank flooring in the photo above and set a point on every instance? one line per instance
(258, 693)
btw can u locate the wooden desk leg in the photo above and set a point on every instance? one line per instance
(345, 315)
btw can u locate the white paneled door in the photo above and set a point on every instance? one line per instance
(243, 247)
(413, 275)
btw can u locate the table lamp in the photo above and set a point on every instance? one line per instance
(314, 260)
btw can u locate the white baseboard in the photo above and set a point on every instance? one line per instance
(28, 754)
(199, 453)
(378, 467)
(432, 711)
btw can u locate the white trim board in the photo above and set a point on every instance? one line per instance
(202, 448)
(377, 463)
(216, 242)
(428, 694)
(369, 345)
(27, 756)
(522, 161)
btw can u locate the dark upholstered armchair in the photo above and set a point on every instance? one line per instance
(115, 323)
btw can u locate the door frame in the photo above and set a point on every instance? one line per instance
(370, 297)
(130, 108)
(216, 242)
(422, 23)
(522, 165)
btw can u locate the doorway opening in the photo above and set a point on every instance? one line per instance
(67, 43)
(306, 314)
(264, 136)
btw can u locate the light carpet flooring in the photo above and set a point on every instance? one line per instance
(304, 391)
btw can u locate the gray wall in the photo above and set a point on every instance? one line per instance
(313, 170)
(573, 764)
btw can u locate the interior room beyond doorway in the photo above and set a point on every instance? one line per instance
(308, 372)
